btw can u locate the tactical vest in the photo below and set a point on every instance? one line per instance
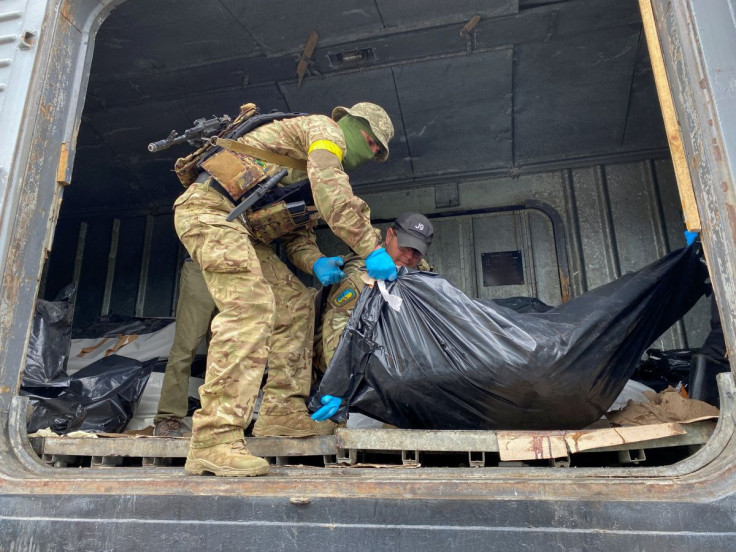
(238, 168)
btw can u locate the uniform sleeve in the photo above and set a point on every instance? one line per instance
(425, 266)
(347, 215)
(302, 250)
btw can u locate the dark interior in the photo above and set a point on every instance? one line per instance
(534, 83)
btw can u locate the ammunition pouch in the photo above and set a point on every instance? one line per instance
(273, 217)
(186, 167)
(237, 173)
(280, 218)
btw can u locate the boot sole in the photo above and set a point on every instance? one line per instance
(283, 431)
(200, 467)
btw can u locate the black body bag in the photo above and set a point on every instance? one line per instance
(446, 361)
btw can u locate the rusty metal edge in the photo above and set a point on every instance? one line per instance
(720, 477)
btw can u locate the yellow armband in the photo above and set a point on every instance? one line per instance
(332, 147)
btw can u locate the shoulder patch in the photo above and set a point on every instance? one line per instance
(345, 297)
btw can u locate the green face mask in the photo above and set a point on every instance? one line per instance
(358, 150)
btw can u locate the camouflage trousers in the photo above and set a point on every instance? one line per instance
(194, 311)
(337, 310)
(266, 315)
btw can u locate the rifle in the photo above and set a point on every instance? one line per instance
(196, 136)
(256, 194)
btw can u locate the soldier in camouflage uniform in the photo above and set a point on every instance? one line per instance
(406, 242)
(265, 313)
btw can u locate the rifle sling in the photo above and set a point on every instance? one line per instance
(258, 153)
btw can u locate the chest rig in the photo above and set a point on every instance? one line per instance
(238, 170)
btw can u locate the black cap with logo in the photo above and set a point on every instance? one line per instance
(415, 231)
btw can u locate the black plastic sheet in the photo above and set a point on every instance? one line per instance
(519, 304)
(445, 361)
(101, 397)
(110, 390)
(662, 369)
(107, 391)
(62, 415)
(48, 346)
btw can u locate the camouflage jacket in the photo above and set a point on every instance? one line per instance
(347, 216)
(344, 296)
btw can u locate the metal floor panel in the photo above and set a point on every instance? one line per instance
(342, 448)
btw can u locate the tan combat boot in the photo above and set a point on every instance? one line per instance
(298, 424)
(228, 460)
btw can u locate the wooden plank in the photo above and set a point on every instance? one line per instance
(671, 123)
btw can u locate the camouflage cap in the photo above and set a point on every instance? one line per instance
(378, 120)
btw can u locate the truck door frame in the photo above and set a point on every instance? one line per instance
(584, 502)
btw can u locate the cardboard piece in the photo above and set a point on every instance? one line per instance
(544, 445)
(531, 445)
(667, 406)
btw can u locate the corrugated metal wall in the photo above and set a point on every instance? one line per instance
(566, 231)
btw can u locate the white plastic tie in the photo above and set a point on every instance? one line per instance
(394, 301)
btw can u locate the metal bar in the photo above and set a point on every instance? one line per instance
(163, 447)
(140, 301)
(79, 255)
(609, 232)
(558, 233)
(578, 278)
(660, 232)
(530, 274)
(423, 440)
(44, 275)
(111, 261)
(467, 258)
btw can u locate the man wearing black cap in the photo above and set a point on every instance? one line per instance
(406, 243)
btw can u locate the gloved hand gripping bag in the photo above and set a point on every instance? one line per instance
(446, 361)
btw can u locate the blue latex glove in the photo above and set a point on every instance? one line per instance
(327, 270)
(690, 237)
(380, 265)
(331, 405)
